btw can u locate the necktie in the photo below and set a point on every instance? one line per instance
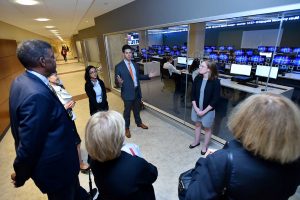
(130, 71)
(52, 89)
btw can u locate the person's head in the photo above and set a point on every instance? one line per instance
(53, 78)
(195, 65)
(127, 52)
(104, 135)
(37, 55)
(209, 68)
(90, 73)
(170, 59)
(268, 125)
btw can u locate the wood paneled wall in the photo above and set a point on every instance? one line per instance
(10, 67)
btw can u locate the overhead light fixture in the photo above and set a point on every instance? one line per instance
(42, 19)
(54, 31)
(27, 2)
(49, 26)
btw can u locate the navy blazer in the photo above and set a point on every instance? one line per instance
(211, 92)
(126, 177)
(44, 135)
(94, 106)
(127, 88)
(246, 177)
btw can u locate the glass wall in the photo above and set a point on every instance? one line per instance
(253, 54)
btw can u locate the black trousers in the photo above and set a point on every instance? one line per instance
(133, 105)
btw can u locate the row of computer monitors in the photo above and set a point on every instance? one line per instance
(278, 59)
(261, 70)
(250, 51)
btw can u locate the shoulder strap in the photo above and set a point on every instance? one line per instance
(228, 174)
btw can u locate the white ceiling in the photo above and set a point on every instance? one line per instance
(68, 16)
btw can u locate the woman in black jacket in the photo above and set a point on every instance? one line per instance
(262, 162)
(205, 95)
(95, 90)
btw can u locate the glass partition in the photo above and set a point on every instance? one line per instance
(246, 51)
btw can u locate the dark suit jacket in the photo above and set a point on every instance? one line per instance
(126, 177)
(211, 92)
(44, 135)
(127, 88)
(94, 106)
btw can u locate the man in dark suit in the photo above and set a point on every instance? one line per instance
(43, 132)
(128, 78)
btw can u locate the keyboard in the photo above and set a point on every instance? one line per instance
(248, 84)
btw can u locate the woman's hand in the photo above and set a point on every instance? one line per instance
(201, 113)
(70, 104)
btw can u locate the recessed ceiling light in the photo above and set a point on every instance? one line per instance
(42, 19)
(27, 2)
(49, 26)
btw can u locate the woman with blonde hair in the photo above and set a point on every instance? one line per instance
(117, 174)
(262, 162)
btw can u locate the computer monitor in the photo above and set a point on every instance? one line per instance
(262, 48)
(208, 50)
(223, 57)
(213, 56)
(229, 48)
(267, 54)
(257, 59)
(263, 71)
(181, 60)
(296, 50)
(222, 48)
(241, 59)
(213, 47)
(249, 52)
(190, 61)
(271, 49)
(286, 50)
(239, 69)
(281, 60)
(296, 62)
(167, 48)
(238, 52)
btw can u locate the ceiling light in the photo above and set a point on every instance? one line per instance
(42, 19)
(49, 26)
(27, 2)
(53, 31)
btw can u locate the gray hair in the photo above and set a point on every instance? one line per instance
(29, 52)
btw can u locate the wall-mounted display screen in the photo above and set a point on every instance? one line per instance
(133, 38)
(240, 69)
(263, 71)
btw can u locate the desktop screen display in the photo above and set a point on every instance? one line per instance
(263, 71)
(190, 61)
(241, 59)
(262, 48)
(267, 54)
(223, 57)
(257, 59)
(181, 60)
(213, 56)
(249, 52)
(230, 48)
(271, 49)
(222, 48)
(213, 47)
(281, 60)
(296, 62)
(296, 50)
(286, 50)
(167, 48)
(208, 50)
(238, 52)
(240, 69)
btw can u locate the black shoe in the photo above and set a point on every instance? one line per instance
(203, 152)
(191, 146)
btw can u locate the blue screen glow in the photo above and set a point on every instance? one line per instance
(249, 52)
(222, 48)
(257, 59)
(262, 48)
(286, 50)
(296, 50)
(241, 59)
(238, 52)
(223, 57)
(281, 60)
(213, 56)
(271, 49)
(296, 62)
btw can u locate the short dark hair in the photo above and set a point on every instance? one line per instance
(87, 73)
(29, 52)
(126, 46)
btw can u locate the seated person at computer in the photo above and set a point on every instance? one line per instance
(205, 95)
(175, 75)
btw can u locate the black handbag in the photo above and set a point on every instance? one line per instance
(186, 177)
(184, 182)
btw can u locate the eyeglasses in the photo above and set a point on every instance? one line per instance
(93, 72)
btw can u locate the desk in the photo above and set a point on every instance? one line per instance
(156, 58)
(148, 67)
(293, 76)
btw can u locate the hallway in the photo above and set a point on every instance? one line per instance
(165, 144)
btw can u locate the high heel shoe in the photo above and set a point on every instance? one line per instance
(191, 146)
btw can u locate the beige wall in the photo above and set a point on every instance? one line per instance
(11, 32)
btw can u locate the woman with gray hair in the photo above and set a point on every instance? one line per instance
(117, 174)
(262, 162)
